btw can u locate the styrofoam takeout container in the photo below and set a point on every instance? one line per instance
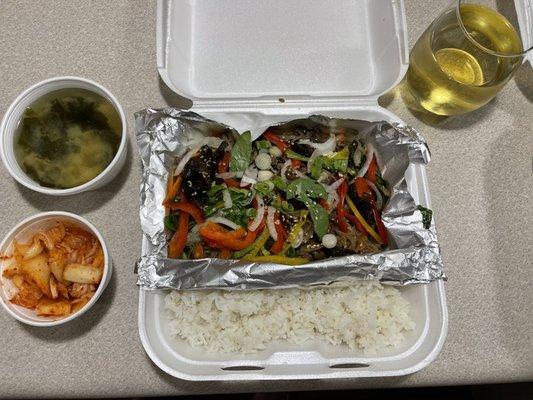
(251, 64)
(23, 232)
(10, 122)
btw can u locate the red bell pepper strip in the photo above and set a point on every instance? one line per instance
(358, 225)
(172, 189)
(217, 236)
(365, 192)
(372, 170)
(324, 204)
(282, 236)
(295, 163)
(363, 189)
(225, 253)
(216, 233)
(189, 208)
(382, 231)
(276, 141)
(342, 190)
(179, 239)
(223, 166)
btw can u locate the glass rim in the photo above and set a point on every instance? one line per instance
(475, 42)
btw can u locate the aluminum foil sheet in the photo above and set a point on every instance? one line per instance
(414, 256)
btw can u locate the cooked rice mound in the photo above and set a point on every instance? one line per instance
(367, 316)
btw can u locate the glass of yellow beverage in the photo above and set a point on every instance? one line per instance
(462, 60)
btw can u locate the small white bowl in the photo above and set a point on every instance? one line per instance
(12, 118)
(23, 232)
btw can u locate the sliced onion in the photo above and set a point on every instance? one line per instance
(224, 221)
(325, 174)
(249, 177)
(300, 174)
(226, 196)
(357, 155)
(379, 197)
(314, 155)
(194, 235)
(326, 147)
(320, 148)
(260, 214)
(185, 160)
(335, 185)
(270, 223)
(333, 199)
(195, 145)
(369, 155)
(226, 175)
(284, 170)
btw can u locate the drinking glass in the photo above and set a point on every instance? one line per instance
(462, 60)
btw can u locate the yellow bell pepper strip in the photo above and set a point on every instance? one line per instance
(255, 247)
(362, 220)
(295, 231)
(277, 259)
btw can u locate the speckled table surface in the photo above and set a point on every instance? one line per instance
(481, 186)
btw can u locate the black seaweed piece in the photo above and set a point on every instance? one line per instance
(199, 173)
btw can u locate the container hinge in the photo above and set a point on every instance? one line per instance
(281, 104)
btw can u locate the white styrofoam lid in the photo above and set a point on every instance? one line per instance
(250, 49)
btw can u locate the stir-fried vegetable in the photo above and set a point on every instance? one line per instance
(360, 218)
(292, 196)
(427, 215)
(241, 153)
(179, 239)
(277, 259)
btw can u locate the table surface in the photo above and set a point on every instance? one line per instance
(480, 180)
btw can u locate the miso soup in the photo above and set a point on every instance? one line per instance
(67, 137)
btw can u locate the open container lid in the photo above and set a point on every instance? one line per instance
(251, 51)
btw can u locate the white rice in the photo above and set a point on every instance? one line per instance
(366, 315)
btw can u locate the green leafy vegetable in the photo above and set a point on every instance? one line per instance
(291, 252)
(239, 196)
(295, 156)
(286, 206)
(337, 161)
(427, 214)
(212, 208)
(316, 167)
(278, 183)
(241, 153)
(240, 215)
(334, 162)
(215, 190)
(318, 214)
(264, 188)
(170, 222)
(307, 187)
(380, 181)
(305, 190)
(262, 144)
